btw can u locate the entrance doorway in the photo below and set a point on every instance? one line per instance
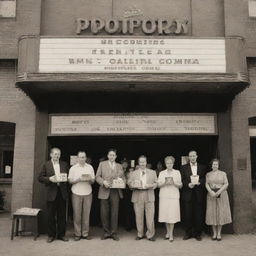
(131, 147)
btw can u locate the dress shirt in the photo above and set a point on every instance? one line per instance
(112, 165)
(82, 188)
(143, 177)
(193, 168)
(56, 167)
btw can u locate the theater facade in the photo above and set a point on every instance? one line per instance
(145, 77)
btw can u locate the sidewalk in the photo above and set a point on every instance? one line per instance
(231, 245)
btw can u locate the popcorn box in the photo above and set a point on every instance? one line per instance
(62, 177)
(137, 184)
(168, 179)
(194, 179)
(118, 183)
(86, 177)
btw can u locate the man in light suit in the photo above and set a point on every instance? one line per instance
(57, 195)
(193, 197)
(109, 205)
(143, 181)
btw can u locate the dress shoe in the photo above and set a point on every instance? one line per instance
(139, 237)
(171, 240)
(50, 239)
(63, 238)
(187, 236)
(152, 239)
(115, 237)
(218, 239)
(214, 238)
(105, 236)
(77, 238)
(198, 238)
(87, 237)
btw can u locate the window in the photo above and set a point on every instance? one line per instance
(7, 8)
(7, 137)
(252, 8)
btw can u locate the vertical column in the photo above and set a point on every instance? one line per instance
(225, 153)
(41, 132)
(243, 215)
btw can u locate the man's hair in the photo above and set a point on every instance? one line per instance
(142, 156)
(56, 149)
(124, 161)
(192, 150)
(81, 152)
(112, 150)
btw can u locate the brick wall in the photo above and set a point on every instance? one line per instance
(16, 107)
(243, 107)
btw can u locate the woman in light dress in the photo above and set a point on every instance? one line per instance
(169, 182)
(218, 209)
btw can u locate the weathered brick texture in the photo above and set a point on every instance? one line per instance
(16, 107)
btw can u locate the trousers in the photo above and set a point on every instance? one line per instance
(81, 214)
(56, 211)
(141, 207)
(109, 212)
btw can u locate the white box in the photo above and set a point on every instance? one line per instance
(252, 8)
(118, 183)
(62, 177)
(194, 179)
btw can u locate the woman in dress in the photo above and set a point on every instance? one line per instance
(169, 182)
(218, 208)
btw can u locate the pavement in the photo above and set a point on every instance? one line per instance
(231, 245)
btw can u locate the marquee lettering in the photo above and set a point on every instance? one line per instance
(128, 26)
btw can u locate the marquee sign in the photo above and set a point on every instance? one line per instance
(132, 55)
(133, 124)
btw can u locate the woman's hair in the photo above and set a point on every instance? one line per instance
(112, 150)
(214, 160)
(169, 158)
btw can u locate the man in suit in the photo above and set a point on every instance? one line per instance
(143, 181)
(56, 195)
(109, 206)
(193, 196)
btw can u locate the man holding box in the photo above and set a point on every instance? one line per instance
(54, 175)
(193, 196)
(81, 176)
(110, 177)
(143, 181)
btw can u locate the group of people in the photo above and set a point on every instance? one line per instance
(187, 187)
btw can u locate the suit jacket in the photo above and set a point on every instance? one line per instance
(151, 179)
(186, 192)
(46, 172)
(104, 172)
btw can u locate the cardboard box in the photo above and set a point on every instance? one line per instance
(62, 177)
(194, 179)
(168, 179)
(118, 183)
(137, 184)
(86, 177)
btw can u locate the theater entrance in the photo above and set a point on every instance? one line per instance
(131, 147)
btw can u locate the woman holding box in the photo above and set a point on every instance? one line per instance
(218, 208)
(169, 182)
